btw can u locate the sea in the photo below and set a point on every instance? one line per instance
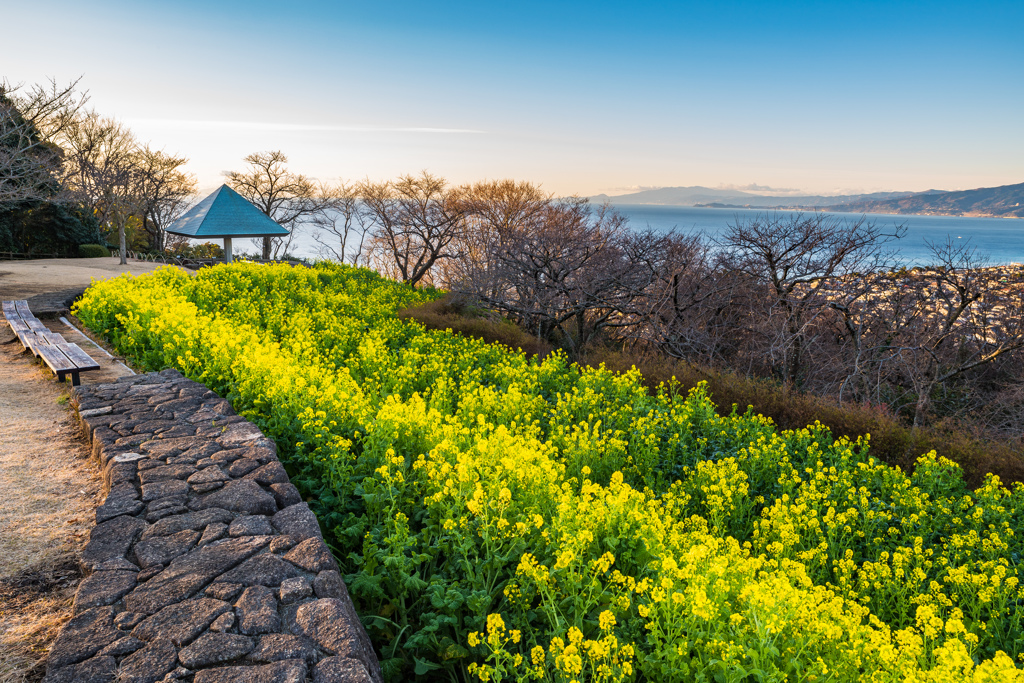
(999, 241)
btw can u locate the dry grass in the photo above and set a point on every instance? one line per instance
(34, 604)
(450, 313)
(891, 441)
(48, 490)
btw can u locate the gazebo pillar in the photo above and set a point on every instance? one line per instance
(227, 250)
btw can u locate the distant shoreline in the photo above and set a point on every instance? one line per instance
(1005, 201)
(836, 209)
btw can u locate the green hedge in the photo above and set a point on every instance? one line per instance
(92, 250)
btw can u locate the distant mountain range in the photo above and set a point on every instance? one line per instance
(1005, 201)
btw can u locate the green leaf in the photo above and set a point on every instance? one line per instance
(424, 667)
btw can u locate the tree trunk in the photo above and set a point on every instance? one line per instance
(124, 244)
(921, 408)
(266, 248)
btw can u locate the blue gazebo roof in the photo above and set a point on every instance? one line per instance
(225, 213)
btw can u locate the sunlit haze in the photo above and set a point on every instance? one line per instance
(580, 97)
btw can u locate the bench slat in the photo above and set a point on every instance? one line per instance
(35, 325)
(80, 358)
(58, 362)
(18, 325)
(22, 331)
(22, 307)
(10, 312)
(34, 340)
(30, 341)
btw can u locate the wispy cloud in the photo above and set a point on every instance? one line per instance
(631, 188)
(255, 126)
(754, 187)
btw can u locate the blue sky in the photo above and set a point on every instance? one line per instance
(581, 97)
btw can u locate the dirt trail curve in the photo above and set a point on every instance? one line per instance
(48, 487)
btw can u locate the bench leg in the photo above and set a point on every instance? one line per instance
(74, 379)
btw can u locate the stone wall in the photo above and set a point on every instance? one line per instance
(204, 564)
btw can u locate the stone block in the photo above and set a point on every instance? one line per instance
(163, 549)
(341, 670)
(257, 611)
(150, 664)
(122, 499)
(311, 555)
(104, 588)
(334, 626)
(295, 589)
(242, 467)
(99, 669)
(191, 520)
(123, 646)
(166, 472)
(164, 489)
(181, 622)
(286, 495)
(213, 532)
(223, 590)
(112, 539)
(214, 648)
(238, 496)
(297, 520)
(264, 569)
(189, 573)
(82, 637)
(251, 525)
(329, 584)
(274, 647)
(271, 473)
(288, 671)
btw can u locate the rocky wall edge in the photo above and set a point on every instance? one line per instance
(204, 565)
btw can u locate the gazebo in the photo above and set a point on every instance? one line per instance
(225, 214)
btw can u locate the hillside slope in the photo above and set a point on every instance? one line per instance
(1005, 201)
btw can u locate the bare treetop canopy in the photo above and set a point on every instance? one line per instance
(225, 214)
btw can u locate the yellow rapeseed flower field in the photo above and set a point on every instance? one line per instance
(506, 519)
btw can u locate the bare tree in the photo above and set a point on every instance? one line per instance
(692, 307)
(340, 225)
(104, 172)
(415, 222)
(565, 274)
(287, 198)
(496, 211)
(950, 318)
(795, 259)
(33, 123)
(164, 191)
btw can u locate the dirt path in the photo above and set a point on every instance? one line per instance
(24, 279)
(50, 285)
(48, 485)
(48, 490)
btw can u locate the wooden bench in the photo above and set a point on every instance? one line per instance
(60, 356)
